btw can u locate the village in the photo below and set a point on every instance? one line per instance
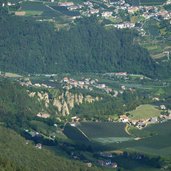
(142, 123)
(112, 9)
(115, 11)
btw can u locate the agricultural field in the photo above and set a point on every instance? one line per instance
(146, 2)
(75, 134)
(65, 11)
(144, 112)
(43, 10)
(157, 36)
(157, 144)
(101, 132)
(152, 2)
(103, 129)
(154, 139)
(33, 6)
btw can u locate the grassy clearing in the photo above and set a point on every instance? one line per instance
(144, 112)
(110, 140)
(32, 13)
(12, 75)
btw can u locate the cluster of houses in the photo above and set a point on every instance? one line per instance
(139, 123)
(43, 115)
(8, 4)
(117, 74)
(27, 82)
(112, 9)
(107, 163)
(89, 84)
(142, 123)
(124, 25)
(90, 8)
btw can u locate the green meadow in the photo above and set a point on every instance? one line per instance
(144, 112)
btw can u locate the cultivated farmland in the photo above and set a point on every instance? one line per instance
(103, 129)
(101, 132)
(157, 144)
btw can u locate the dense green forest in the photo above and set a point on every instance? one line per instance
(33, 47)
(16, 107)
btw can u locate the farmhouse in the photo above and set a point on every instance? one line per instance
(107, 163)
(140, 125)
(107, 14)
(156, 98)
(65, 4)
(65, 79)
(75, 119)
(133, 9)
(121, 73)
(153, 120)
(20, 13)
(109, 155)
(123, 118)
(94, 11)
(162, 107)
(74, 7)
(43, 115)
(39, 146)
(89, 164)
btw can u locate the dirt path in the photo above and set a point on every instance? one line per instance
(126, 129)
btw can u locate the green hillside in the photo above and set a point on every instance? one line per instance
(17, 155)
(86, 47)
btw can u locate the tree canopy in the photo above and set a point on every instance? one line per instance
(33, 47)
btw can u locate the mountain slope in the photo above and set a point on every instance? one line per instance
(17, 155)
(29, 46)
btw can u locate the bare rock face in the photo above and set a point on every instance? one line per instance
(89, 99)
(32, 94)
(43, 97)
(66, 101)
(58, 104)
(65, 109)
(80, 98)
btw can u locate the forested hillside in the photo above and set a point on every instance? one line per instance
(34, 47)
(16, 107)
(17, 155)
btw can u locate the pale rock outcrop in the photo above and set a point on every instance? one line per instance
(64, 102)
